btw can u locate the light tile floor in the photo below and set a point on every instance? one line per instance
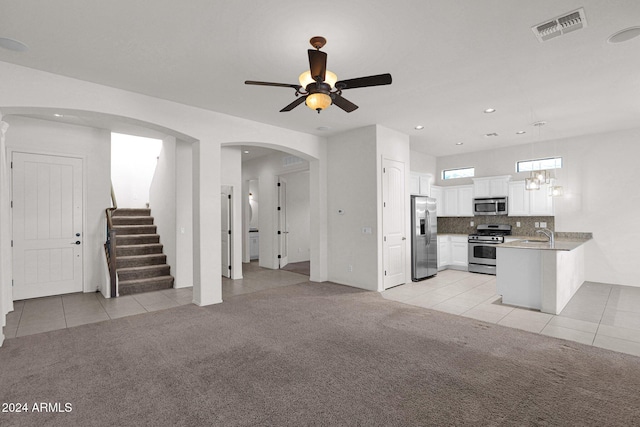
(601, 315)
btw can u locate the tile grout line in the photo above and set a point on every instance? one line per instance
(601, 316)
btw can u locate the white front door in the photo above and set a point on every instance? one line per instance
(393, 223)
(47, 225)
(283, 229)
(225, 231)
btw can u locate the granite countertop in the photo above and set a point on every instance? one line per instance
(561, 244)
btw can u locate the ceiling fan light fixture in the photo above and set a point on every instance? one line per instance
(318, 101)
(330, 78)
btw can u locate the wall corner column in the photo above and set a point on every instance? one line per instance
(207, 274)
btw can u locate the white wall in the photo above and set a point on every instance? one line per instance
(231, 174)
(133, 165)
(352, 182)
(423, 163)
(184, 217)
(298, 215)
(6, 293)
(266, 170)
(598, 176)
(162, 199)
(40, 136)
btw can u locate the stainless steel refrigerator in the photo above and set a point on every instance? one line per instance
(424, 237)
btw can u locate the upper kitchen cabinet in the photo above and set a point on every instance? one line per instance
(523, 202)
(420, 184)
(438, 194)
(458, 200)
(492, 186)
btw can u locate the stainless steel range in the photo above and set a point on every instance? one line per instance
(482, 247)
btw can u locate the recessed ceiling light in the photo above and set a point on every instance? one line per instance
(246, 151)
(459, 143)
(323, 128)
(58, 115)
(490, 134)
(419, 127)
(14, 45)
(625, 35)
(490, 110)
(520, 132)
(540, 123)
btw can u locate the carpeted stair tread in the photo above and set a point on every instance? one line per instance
(141, 260)
(135, 229)
(143, 272)
(144, 249)
(132, 220)
(132, 212)
(137, 239)
(128, 287)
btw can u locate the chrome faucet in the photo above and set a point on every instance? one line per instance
(550, 234)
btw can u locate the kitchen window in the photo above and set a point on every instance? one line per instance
(458, 173)
(539, 164)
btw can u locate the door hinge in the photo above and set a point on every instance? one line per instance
(385, 272)
(229, 232)
(12, 204)
(278, 184)
(11, 165)
(278, 207)
(279, 256)
(384, 170)
(385, 238)
(12, 243)
(229, 268)
(384, 204)
(279, 232)
(229, 196)
(12, 282)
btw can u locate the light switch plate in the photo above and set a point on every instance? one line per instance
(536, 225)
(543, 224)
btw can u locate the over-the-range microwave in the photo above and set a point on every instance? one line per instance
(490, 206)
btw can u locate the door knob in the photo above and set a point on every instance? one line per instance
(404, 238)
(77, 242)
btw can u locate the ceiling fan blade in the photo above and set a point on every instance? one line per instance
(343, 103)
(317, 64)
(377, 80)
(251, 82)
(294, 104)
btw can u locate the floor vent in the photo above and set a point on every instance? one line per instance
(560, 25)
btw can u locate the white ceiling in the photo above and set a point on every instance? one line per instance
(450, 59)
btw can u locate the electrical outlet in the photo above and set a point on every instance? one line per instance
(350, 268)
(518, 224)
(536, 224)
(543, 224)
(367, 230)
(471, 223)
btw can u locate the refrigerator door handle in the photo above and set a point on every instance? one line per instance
(428, 227)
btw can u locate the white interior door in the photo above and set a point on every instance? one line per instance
(393, 223)
(225, 232)
(283, 229)
(47, 225)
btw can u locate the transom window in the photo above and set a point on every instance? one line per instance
(458, 173)
(539, 164)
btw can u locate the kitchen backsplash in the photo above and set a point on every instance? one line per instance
(461, 225)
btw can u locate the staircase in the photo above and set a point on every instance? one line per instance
(141, 265)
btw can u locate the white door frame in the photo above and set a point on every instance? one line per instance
(396, 238)
(85, 236)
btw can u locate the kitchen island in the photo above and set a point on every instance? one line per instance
(536, 274)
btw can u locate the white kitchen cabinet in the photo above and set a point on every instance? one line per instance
(444, 251)
(453, 252)
(523, 202)
(492, 186)
(460, 251)
(420, 184)
(458, 200)
(438, 194)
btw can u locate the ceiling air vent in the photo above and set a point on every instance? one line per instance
(560, 25)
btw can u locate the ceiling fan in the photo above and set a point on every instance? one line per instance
(319, 87)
